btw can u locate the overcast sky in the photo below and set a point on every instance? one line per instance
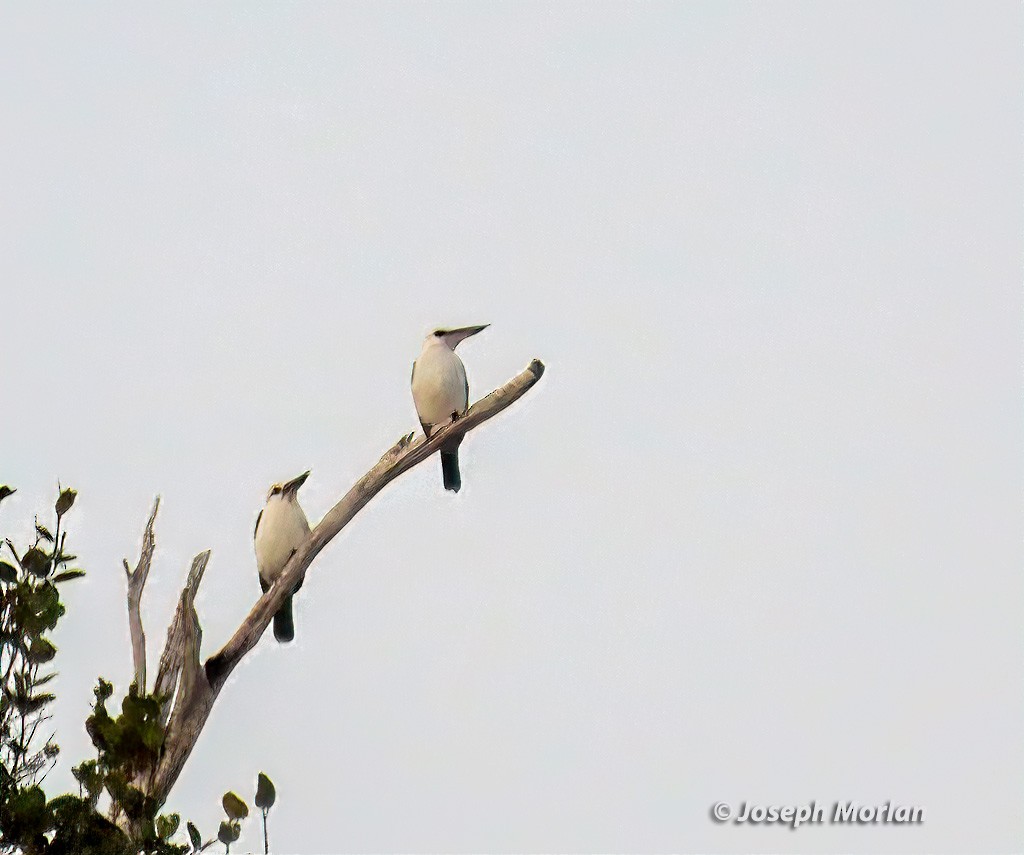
(756, 535)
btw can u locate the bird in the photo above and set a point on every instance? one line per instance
(440, 391)
(281, 528)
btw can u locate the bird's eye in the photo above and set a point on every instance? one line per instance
(439, 333)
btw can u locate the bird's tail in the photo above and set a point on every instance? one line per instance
(450, 470)
(284, 625)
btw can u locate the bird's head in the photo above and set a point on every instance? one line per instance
(288, 490)
(452, 337)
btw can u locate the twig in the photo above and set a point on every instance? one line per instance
(136, 582)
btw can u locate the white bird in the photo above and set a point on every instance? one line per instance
(281, 528)
(440, 391)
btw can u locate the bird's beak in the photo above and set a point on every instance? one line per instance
(453, 337)
(295, 483)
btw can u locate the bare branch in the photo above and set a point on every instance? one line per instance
(174, 647)
(405, 454)
(136, 582)
(192, 707)
(198, 687)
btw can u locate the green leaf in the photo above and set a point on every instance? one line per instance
(36, 609)
(80, 829)
(25, 814)
(194, 836)
(44, 533)
(35, 703)
(64, 501)
(7, 572)
(130, 799)
(102, 730)
(39, 681)
(152, 735)
(103, 690)
(147, 828)
(6, 491)
(41, 651)
(141, 713)
(68, 575)
(66, 806)
(266, 795)
(166, 825)
(89, 776)
(36, 562)
(228, 832)
(234, 807)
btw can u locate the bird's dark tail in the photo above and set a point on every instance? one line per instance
(284, 625)
(450, 470)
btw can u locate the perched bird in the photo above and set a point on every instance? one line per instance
(281, 528)
(441, 392)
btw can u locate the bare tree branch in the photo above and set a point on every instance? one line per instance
(192, 707)
(198, 687)
(136, 582)
(174, 647)
(405, 454)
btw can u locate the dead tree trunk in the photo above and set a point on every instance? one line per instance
(190, 687)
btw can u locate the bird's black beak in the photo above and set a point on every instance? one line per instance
(453, 337)
(295, 483)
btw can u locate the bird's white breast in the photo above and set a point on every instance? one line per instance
(282, 528)
(439, 384)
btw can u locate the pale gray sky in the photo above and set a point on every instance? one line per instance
(755, 536)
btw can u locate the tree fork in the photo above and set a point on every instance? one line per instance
(190, 689)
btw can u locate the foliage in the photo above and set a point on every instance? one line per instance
(126, 747)
(266, 795)
(236, 810)
(30, 608)
(128, 743)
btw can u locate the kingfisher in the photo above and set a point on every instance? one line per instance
(281, 528)
(440, 391)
